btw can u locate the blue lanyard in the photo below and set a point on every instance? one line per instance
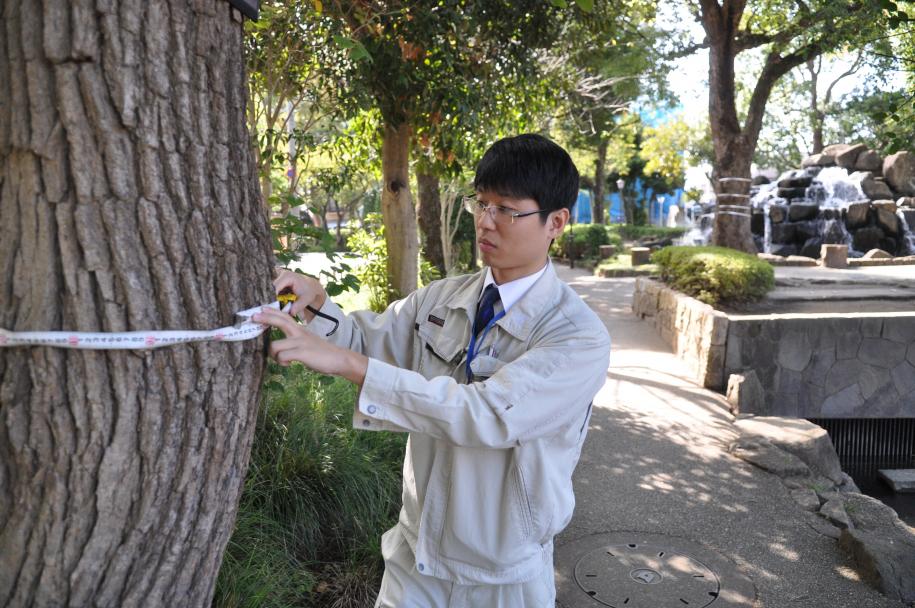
(471, 349)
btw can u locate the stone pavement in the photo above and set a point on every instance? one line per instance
(655, 468)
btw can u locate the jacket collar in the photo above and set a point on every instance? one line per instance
(520, 319)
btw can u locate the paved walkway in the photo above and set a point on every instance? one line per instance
(655, 462)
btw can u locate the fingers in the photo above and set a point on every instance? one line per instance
(280, 320)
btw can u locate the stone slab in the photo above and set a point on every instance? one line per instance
(901, 480)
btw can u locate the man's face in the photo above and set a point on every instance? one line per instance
(516, 249)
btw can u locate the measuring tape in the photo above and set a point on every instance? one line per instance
(244, 329)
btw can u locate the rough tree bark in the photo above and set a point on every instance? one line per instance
(397, 210)
(128, 200)
(600, 181)
(430, 221)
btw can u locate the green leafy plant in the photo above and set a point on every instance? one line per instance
(715, 274)
(581, 241)
(368, 243)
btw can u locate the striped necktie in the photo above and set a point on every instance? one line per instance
(485, 309)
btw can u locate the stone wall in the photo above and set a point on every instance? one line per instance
(826, 366)
(805, 366)
(696, 332)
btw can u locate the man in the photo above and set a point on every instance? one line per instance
(492, 375)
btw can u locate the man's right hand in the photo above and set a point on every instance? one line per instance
(308, 291)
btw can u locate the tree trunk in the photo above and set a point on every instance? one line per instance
(128, 200)
(600, 179)
(733, 150)
(430, 219)
(816, 116)
(397, 210)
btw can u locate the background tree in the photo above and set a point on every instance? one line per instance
(128, 200)
(790, 35)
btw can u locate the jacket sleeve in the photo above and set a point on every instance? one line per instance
(531, 397)
(388, 336)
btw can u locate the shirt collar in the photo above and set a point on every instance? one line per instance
(511, 292)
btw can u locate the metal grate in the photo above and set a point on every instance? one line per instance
(867, 444)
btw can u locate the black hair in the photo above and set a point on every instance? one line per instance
(529, 166)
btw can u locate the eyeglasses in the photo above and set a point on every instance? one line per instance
(498, 214)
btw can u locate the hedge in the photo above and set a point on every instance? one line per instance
(715, 274)
(586, 240)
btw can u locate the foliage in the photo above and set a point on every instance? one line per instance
(664, 150)
(368, 243)
(581, 241)
(317, 497)
(715, 274)
(629, 232)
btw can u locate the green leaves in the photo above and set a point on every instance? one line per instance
(357, 52)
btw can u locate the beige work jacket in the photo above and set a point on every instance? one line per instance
(487, 477)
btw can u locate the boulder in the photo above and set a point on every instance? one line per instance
(906, 201)
(848, 157)
(783, 234)
(877, 254)
(875, 188)
(760, 180)
(834, 511)
(778, 213)
(881, 546)
(802, 211)
(856, 215)
(830, 213)
(869, 161)
(783, 249)
(865, 239)
(795, 179)
(811, 247)
(764, 454)
(805, 440)
(886, 217)
(792, 193)
(745, 393)
(808, 229)
(807, 498)
(819, 160)
(899, 172)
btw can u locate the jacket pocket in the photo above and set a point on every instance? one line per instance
(522, 504)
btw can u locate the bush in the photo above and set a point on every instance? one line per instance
(317, 497)
(368, 243)
(715, 274)
(581, 241)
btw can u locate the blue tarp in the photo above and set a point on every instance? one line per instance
(644, 198)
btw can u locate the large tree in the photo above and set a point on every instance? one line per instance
(128, 200)
(789, 34)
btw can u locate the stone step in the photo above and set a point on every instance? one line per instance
(901, 480)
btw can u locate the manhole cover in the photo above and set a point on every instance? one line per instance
(642, 570)
(637, 575)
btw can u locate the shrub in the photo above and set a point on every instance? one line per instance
(581, 241)
(317, 497)
(368, 243)
(634, 233)
(715, 274)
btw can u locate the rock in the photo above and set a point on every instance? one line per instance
(784, 250)
(805, 440)
(802, 211)
(607, 251)
(901, 480)
(848, 157)
(792, 193)
(745, 393)
(796, 179)
(886, 217)
(877, 254)
(783, 233)
(834, 256)
(640, 255)
(758, 223)
(881, 546)
(834, 511)
(856, 215)
(875, 189)
(906, 201)
(808, 229)
(834, 233)
(899, 172)
(778, 213)
(807, 498)
(869, 161)
(819, 160)
(762, 453)
(888, 244)
(760, 180)
(865, 239)
(800, 260)
(831, 214)
(811, 248)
